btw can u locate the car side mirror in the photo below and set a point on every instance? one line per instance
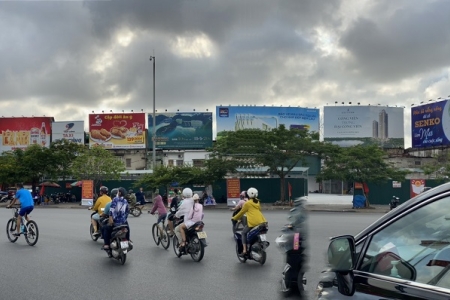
(341, 253)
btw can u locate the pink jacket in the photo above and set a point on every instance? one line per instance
(194, 215)
(159, 206)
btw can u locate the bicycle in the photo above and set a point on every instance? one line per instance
(29, 229)
(160, 234)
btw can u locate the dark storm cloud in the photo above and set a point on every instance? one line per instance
(411, 40)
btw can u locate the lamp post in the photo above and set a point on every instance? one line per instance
(152, 58)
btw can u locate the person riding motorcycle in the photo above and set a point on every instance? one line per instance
(99, 206)
(131, 197)
(254, 215)
(118, 215)
(238, 207)
(194, 215)
(184, 207)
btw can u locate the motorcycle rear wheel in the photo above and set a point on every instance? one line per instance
(122, 258)
(262, 260)
(197, 256)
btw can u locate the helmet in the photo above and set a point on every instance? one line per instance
(252, 193)
(130, 191)
(104, 189)
(195, 197)
(122, 191)
(243, 194)
(114, 192)
(187, 193)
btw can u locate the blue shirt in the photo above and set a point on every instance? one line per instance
(107, 208)
(25, 198)
(119, 210)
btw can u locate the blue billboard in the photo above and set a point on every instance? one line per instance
(181, 130)
(234, 118)
(430, 124)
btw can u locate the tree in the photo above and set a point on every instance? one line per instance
(64, 153)
(8, 169)
(439, 167)
(97, 164)
(359, 164)
(280, 150)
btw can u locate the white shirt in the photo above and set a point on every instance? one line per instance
(184, 208)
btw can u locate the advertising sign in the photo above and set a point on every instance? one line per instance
(430, 124)
(71, 130)
(396, 184)
(19, 133)
(364, 125)
(233, 191)
(233, 118)
(87, 192)
(117, 131)
(181, 130)
(417, 187)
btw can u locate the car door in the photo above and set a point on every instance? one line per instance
(409, 256)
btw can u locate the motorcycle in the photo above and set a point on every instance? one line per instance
(292, 244)
(256, 244)
(395, 201)
(119, 246)
(195, 242)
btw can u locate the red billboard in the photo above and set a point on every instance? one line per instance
(117, 131)
(19, 133)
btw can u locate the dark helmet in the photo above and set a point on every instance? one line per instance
(104, 189)
(123, 192)
(130, 191)
(114, 192)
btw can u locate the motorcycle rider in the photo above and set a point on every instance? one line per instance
(238, 207)
(118, 215)
(254, 215)
(99, 206)
(173, 204)
(194, 215)
(131, 198)
(184, 208)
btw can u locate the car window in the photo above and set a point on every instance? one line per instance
(415, 247)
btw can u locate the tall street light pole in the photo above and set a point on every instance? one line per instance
(152, 58)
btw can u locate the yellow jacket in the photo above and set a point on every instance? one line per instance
(253, 211)
(100, 204)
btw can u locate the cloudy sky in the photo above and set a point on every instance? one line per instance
(68, 58)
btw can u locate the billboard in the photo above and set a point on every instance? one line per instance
(181, 130)
(233, 118)
(364, 125)
(19, 133)
(70, 130)
(117, 131)
(430, 124)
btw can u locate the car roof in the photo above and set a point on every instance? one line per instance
(404, 207)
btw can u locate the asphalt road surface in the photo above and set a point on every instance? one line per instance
(67, 264)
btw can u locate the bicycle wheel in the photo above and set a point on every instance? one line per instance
(136, 212)
(11, 226)
(155, 234)
(32, 234)
(164, 237)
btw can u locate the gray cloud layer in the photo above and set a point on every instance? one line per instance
(68, 58)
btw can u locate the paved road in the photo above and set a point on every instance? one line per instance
(67, 264)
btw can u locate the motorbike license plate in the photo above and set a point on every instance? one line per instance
(124, 245)
(201, 235)
(263, 237)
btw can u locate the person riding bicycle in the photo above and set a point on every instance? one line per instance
(118, 215)
(26, 205)
(194, 215)
(173, 205)
(159, 206)
(254, 215)
(99, 206)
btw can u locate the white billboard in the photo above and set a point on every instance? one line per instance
(363, 125)
(69, 130)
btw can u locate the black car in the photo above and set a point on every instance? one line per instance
(403, 255)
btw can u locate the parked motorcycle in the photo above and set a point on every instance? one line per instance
(395, 201)
(119, 245)
(256, 244)
(6, 198)
(195, 242)
(292, 244)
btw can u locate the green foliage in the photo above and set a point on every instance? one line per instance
(9, 168)
(97, 164)
(439, 167)
(64, 153)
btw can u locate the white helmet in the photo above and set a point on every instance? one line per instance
(187, 193)
(195, 197)
(252, 193)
